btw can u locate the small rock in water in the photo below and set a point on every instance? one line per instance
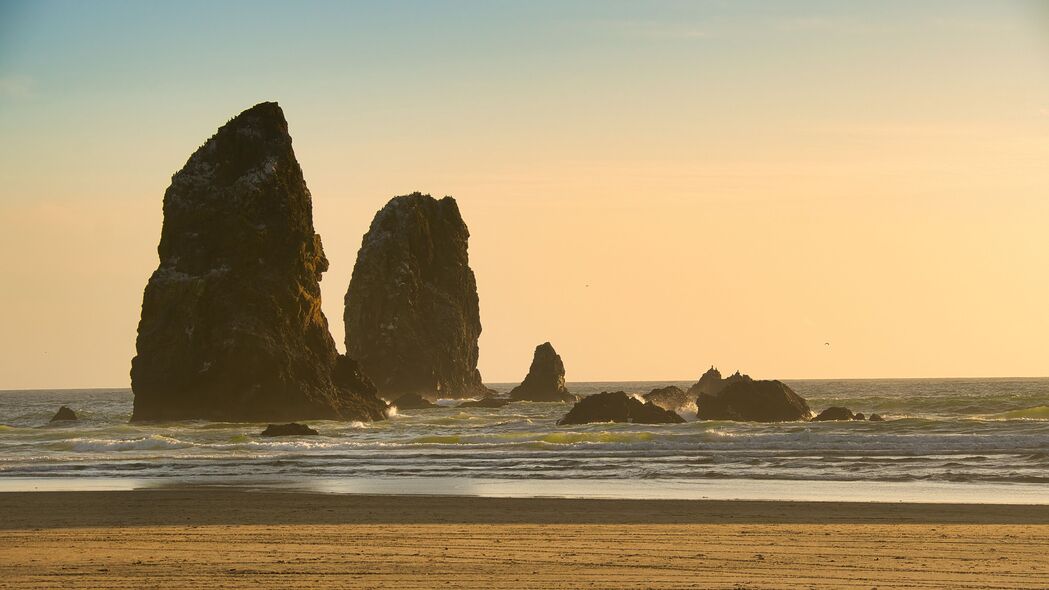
(617, 406)
(859, 416)
(671, 398)
(834, 413)
(545, 381)
(413, 401)
(64, 414)
(875, 418)
(291, 429)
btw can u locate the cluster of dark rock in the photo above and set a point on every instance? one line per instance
(838, 413)
(232, 327)
(737, 398)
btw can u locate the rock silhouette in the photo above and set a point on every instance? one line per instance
(617, 406)
(835, 413)
(712, 383)
(753, 401)
(545, 381)
(64, 414)
(412, 316)
(671, 398)
(293, 429)
(413, 401)
(231, 325)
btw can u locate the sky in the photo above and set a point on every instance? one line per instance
(797, 190)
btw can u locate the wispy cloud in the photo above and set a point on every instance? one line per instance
(804, 23)
(655, 30)
(16, 87)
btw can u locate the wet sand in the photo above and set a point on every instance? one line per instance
(172, 538)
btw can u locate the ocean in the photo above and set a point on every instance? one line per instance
(942, 440)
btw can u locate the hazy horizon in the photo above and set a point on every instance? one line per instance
(653, 188)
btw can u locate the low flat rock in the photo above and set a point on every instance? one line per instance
(835, 413)
(753, 401)
(290, 429)
(413, 401)
(618, 406)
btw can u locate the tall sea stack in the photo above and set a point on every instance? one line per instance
(231, 326)
(412, 317)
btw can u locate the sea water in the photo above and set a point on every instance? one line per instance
(942, 440)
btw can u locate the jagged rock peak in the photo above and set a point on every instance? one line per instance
(412, 315)
(671, 398)
(711, 382)
(545, 381)
(231, 325)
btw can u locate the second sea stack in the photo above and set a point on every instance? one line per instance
(231, 325)
(412, 315)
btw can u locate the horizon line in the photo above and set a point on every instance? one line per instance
(128, 386)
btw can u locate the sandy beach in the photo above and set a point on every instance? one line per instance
(225, 538)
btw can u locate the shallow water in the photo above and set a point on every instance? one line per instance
(975, 432)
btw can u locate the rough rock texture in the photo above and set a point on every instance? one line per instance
(293, 429)
(753, 401)
(64, 414)
(231, 324)
(545, 381)
(485, 402)
(412, 317)
(618, 406)
(671, 398)
(413, 401)
(712, 383)
(835, 413)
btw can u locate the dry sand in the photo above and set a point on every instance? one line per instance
(240, 539)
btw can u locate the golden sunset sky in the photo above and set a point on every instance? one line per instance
(654, 187)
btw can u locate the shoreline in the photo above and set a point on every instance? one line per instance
(197, 506)
(716, 489)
